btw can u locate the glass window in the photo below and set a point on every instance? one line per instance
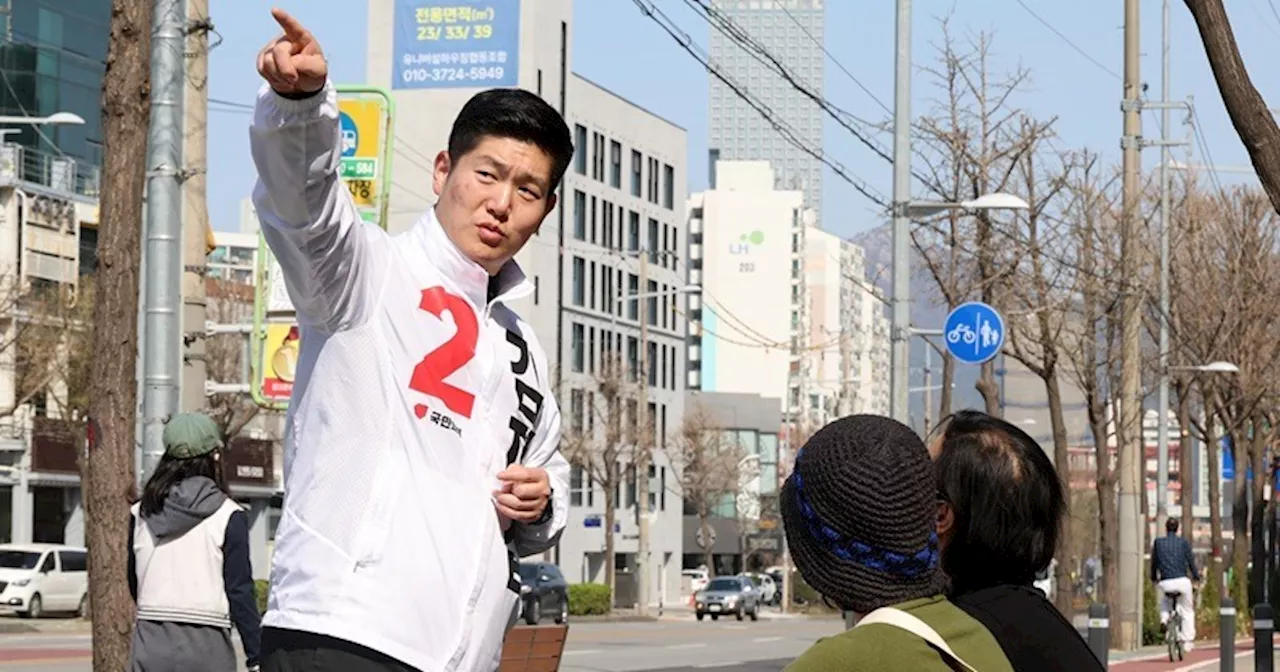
(73, 561)
(593, 221)
(580, 149)
(668, 187)
(652, 304)
(615, 164)
(19, 560)
(633, 288)
(591, 283)
(637, 167)
(633, 231)
(579, 281)
(579, 354)
(575, 411)
(652, 242)
(579, 215)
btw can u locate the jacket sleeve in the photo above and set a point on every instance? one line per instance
(545, 453)
(331, 259)
(237, 578)
(133, 563)
(1191, 560)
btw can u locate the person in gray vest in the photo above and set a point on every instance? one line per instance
(189, 569)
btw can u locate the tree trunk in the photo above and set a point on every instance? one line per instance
(1108, 516)
(1258, 507)
(947, 392)
(989, 388)
(1248, 111)
(1061, 461)
(610, 515)
(704, 522)
(1240, 515)
(1216, 566)
(1186, 455)
(107, 468)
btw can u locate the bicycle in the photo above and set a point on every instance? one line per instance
(1173, 627)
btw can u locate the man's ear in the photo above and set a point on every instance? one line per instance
(552, 199)
(441, 172)
(946, 520)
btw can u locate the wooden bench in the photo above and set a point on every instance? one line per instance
(533, 648)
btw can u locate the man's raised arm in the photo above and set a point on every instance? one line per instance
(327, 254)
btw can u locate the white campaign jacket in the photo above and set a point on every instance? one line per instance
(412, 392)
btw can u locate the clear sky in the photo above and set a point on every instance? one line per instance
(617, 47)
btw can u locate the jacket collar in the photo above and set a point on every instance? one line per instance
(466, 275)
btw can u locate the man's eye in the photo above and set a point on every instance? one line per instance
(531, 193)
(485, 174)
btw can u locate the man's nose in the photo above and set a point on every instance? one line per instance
(499, 203)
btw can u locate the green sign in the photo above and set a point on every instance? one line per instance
(353, 168)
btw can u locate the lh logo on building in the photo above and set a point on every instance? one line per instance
(746, 242)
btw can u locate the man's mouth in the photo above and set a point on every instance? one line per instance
(490, 234)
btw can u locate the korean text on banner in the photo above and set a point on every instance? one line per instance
(279, 361)
(361, 122)
(442, 44)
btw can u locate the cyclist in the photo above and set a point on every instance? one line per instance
(1172, 569)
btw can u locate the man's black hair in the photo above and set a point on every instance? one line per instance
(1171, 526)
(1007, 500)
(516, 114)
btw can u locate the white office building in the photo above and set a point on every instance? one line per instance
(233, 257)
(622, 200)
(785, 309)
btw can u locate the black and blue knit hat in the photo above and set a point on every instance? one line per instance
(860, 513)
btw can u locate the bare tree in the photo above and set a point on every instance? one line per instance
(1248, 110)
(108, 470)
(1088, 343)
(708, 464)
(1228, 268)
(593, 443)
(971, 144)
(1037, 299)
(226, 355)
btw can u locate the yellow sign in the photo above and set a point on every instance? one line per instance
(361, 121)
(279, 363)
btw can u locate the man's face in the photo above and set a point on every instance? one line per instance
(493, 198)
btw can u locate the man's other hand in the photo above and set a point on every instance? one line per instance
(524, 494)
(293, 63)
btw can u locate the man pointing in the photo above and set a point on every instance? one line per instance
(422, 431)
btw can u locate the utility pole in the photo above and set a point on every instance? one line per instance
(643, 442)
(900, 334)
(162, 331)
(195, 214)
(1162, 451)
(928, 391)
(1131, 449)
(846, 369)
(108, 459)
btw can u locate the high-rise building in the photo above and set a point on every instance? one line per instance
(792, 31)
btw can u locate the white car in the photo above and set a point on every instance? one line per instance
(37, 578)
(697, 579)
(768, 589)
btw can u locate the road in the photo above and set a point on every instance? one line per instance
(672, 645)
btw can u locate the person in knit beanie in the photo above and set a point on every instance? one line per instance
(859, 512)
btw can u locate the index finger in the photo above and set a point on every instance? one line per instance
(517, 472)
(293, 29)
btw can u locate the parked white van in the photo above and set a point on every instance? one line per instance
(39, 578)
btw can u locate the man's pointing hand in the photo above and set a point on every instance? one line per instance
(293, 63)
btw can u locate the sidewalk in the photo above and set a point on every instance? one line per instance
(1205, 657)
(12, 625)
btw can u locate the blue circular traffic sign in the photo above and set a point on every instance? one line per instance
(974, 332)
(350, 134)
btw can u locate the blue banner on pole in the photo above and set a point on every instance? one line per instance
(450, 44)
(974, 332)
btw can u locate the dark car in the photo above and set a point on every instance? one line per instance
(543, 592)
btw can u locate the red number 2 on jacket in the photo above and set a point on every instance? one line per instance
(429, 375)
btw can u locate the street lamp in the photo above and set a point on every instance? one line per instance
(54, 119)
(903, 211)
(1162, 440)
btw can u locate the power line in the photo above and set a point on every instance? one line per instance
(831, 56)
(1066, 39)
(789, 134)
(231, 103)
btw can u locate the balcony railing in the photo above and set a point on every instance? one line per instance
(61, 173)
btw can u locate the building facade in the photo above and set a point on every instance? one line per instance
(621, 207)
(848, 338)
(234, 257)
(793, 31)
